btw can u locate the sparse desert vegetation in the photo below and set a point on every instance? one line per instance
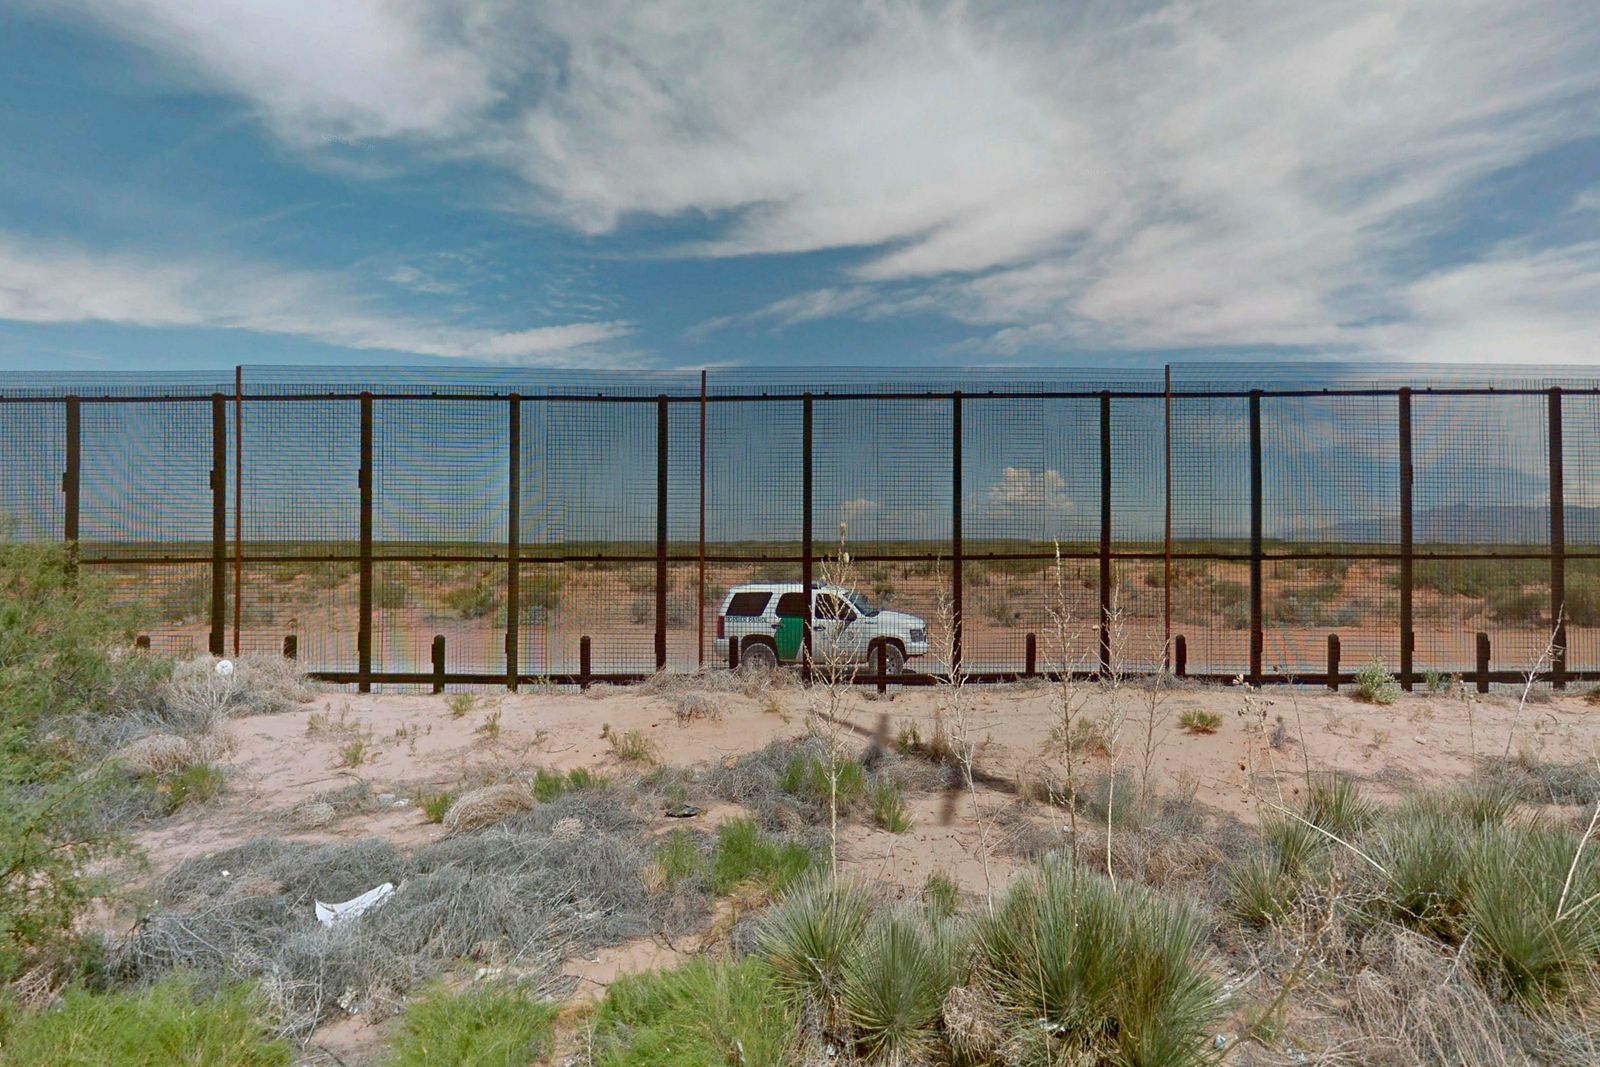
(722, 869)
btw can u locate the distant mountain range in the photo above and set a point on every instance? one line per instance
(1467, 524)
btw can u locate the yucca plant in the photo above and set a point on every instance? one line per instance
(894, 985)
(1079, 963)
(809, 936)
(1425, 850)
(1533, 913)
(1260, 891)
(1334, 803)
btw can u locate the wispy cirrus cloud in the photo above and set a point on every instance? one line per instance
(57, 283)
(1204, 173)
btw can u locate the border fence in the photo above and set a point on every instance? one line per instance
(432, 527)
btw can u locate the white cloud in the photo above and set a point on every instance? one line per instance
(1153, 175)
(321, 71)
(52, 283)
(1020, 489)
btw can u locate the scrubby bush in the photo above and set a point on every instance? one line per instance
(1197, 721)
(61, 655)
(888, 807)
(1375, 685)
(745, 854)
(164, 1024)
(487, 1023)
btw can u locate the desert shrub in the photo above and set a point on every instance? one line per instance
(1438, 682)
(1375, 685)
(483, 1025)
(194, 784)
(548, 785)
(1197, 721)
(164, 1024)
(632, 746)
(809, 936)
(888, 807)
(390, 594)
(1519, 605)
(486, 806)
(61, 656)
(678, 858)
(472, 601)
(702, 1013)
(894, 986)
(1078, 963)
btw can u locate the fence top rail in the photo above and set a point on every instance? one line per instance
(87, 396)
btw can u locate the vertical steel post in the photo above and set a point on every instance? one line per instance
(1483, 663)
(956, 548)
(219, 523)
(1333, 663)
(364, 483)
(700, 626)
(806, 533)
(1030, 654)
(1166, 578)
(585, 661)
(438, 663)
(291, 646)
(663, 445)
(238, 505)
(1180, 657)
(513, 540)
(1408, 640)
(1558, 545)
(1256, 635)
(71, 479)
(1105, 534)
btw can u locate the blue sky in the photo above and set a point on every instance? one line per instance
(199, 183)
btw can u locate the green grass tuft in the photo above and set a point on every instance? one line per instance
(154, 1027)
(485, 1025)
(746, 854)
(889, 807)
(1200, 722)
(704, 1013)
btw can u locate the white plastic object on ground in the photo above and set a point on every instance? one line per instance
(334, 914)
(224, 667)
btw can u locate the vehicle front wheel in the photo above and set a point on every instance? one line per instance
(894, 659)
(758, 658)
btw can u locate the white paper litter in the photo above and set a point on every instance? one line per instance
(224, 667)
(334, 914)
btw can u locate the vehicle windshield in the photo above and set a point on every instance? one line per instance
(861, 605)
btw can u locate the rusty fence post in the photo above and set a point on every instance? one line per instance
(585, 661)
(1408, 636)
(291, 646)
(513, 539)
(1558, 545)
(71, 480)
(663, 445)
(1256, 635)
(956, 548)
(1483, 663)
(1333, 663)
(364, 484)
(807, 547)
(438, 663)
(1105, 534)
(1030, 655)
(1180, 657)
(883, 668)
(219, 523)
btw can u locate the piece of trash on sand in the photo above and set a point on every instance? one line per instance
(334, 914)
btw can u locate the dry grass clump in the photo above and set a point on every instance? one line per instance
(717, 680)
(196, 699)
(312, 814)
(1537, 782)
(486, 806)
(516, 895)
(158, 754)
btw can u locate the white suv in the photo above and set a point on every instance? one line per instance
(767, 621)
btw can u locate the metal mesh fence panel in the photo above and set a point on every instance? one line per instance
(360, 514)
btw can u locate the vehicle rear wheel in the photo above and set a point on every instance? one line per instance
(894, 659)
(758, 657)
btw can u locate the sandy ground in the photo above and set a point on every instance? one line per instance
(412, 744)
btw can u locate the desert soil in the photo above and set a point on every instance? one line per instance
(412, 744)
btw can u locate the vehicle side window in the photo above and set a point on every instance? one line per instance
(792, 606)
(833, 607)
(748, 605)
